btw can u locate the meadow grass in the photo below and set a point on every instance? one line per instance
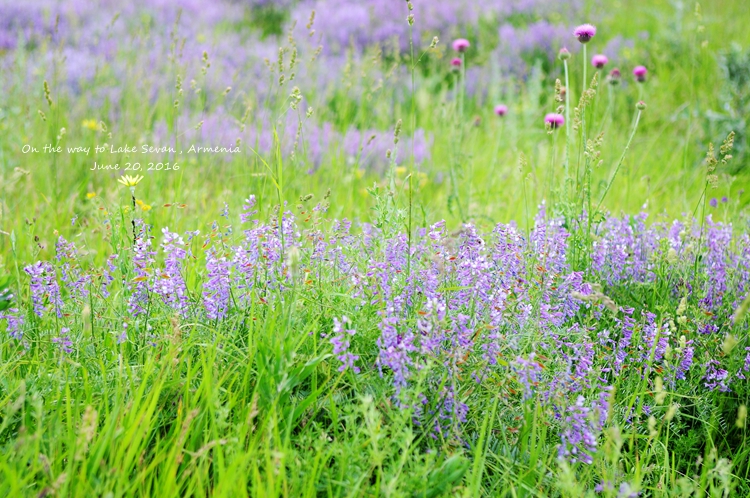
(220, 329)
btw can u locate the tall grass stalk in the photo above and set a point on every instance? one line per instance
(620, 161)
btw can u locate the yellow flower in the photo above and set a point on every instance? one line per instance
(90, 195)
(91, 124)
(130, 181)
(400, 170)
(143, 205)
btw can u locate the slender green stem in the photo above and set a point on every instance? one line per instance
(462, 89)
(622, 158)
(460, 136)
(567, 125)
(553, 155)
(133, 218)
(413, 134)
(582, 146)
(585, 67)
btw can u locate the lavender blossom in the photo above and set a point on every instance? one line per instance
(579, 439)
(529, 374)
(70, 271)
(15, 322)
(216, 289)
(44, 288)
(63, 341)
(171, 284)
(340, 344)
(142, 285)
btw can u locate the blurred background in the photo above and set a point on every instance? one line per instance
(316, 88)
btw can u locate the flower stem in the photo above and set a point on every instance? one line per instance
(622, 158)
(567, 126)
(133, 219)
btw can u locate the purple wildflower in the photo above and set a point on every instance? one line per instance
(456, 62)
(107, 274)
(216, 289)
(686, 361)
(171, 285)
(44, 287)
(716, 378)
(585, 32)
(248, 210)
(640, 73)
(626, 491)
(554, 120)
(123, 336)
(579, 439)
(395, 348)
(341, 344)
(143, 259)
(529, 374)
(461, 45)
(70, 271)
(63, 341)
(599, 61)
(15, 322)
(501, 110)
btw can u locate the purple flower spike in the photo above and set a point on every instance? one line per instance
(461, 45)
(599, 61)
(713, 202)
(585, 32)
(640, 73)
(554, 120)
(501, 110)
(63, 341)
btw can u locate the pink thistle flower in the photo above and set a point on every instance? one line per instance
(501, 110)
(640, 73)
(456, 62)
(614, 77)
(554, 120)
(564, 54)
(461, 44)
(599, 61)
(585, 32)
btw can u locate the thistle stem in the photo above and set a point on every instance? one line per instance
(567, 126)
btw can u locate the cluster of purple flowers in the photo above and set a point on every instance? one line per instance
(340, 343)
(45, 290)
(461, 306)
